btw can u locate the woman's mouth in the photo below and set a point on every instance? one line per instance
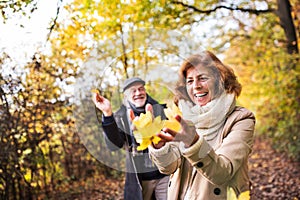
(199, 95)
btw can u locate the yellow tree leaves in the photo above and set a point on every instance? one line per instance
(147, 127)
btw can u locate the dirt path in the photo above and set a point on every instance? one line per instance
(273, 175)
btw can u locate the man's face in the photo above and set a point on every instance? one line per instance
(137, 95)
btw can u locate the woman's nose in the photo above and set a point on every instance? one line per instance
(197, 84)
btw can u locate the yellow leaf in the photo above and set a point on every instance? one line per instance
(232, 196)
(146, 130)
(95, 91)
(156, 139)
(31, 130)
(172, 111)
(172, 123)
(143, 120)
(244, 195)
(144, 145)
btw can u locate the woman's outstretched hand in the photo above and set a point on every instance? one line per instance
(187, 134)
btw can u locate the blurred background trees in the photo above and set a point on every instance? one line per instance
(47, 125)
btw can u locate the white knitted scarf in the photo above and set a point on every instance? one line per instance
(208, 119)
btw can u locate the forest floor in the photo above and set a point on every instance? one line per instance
(274, 176)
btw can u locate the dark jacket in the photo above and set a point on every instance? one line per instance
(138, 164)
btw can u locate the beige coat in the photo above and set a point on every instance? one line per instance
(205, 172)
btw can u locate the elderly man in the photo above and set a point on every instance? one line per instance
(143, 180)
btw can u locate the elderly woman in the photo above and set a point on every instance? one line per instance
(210, 152)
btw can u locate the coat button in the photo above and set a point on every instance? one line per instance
(170, 184)
(217, 191)
(200, 164)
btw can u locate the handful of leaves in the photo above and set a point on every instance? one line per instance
(146, 130)
(147, 127)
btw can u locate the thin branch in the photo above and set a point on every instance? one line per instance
(59, 4)
(252, 11)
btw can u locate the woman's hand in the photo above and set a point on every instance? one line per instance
(187, 134)
(160, 144)
(102, 104)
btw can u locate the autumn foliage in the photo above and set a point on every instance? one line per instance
(98, 44)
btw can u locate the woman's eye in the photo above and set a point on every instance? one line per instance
(189, 81)
(203, 79)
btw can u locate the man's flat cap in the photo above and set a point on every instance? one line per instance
(129, 82)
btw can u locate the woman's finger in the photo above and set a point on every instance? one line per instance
(184, 123)
(178, 118)
(170, 131)
(165, 136)
(160, 144)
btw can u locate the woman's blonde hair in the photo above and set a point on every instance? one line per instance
(224, 75)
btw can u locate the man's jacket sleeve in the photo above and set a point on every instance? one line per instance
(114, 137)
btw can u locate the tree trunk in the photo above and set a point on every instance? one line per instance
(286, 22)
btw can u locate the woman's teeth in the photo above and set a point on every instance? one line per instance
(200, 95)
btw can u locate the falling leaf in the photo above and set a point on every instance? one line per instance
(171, 122)
(146, 130)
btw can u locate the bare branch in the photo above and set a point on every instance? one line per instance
(252, 11)
(59, 3)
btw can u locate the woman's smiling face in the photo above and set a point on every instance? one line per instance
(200, 85)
